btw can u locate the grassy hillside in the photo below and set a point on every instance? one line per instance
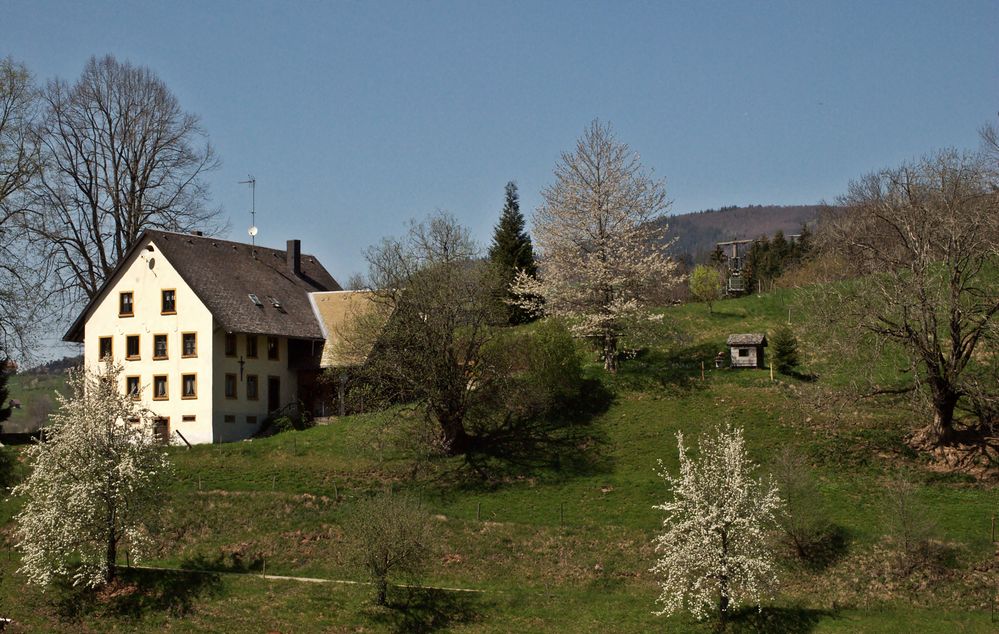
(36, 394)
(561, 546)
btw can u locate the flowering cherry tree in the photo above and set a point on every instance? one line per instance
(95, 478)
(602, 242)
(714, 548)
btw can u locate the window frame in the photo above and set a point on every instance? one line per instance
(183, 354)
(228, 418)
(138, 346)
(137, 394)
(256, 391)
(100, 348)
(166, 346)
(255, 352)
(743, 353)
(166, 387)
(231, 336)
(188, 418)
(235, 387)
(277, 348)
(253, 421)
(131, 297)
(183, 386)
(163, 310)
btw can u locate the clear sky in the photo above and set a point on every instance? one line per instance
(356, 116)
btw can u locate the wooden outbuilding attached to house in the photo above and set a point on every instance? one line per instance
(746, 350)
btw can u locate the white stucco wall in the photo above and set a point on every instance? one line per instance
(241, 406)
(146, 276)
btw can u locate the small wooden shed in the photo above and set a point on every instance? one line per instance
(746, 350)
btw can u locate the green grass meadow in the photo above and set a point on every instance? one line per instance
(561, 544)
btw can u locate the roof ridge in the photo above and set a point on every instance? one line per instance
(185, 234)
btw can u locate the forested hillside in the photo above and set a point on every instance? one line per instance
(698, 232)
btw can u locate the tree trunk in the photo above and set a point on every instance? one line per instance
(610, 353)
(456, 438)
(381, 595)
(110, 558)
(723, 593)
(945, 399)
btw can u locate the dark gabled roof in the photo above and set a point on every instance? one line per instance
(748, 339)
(223, 274)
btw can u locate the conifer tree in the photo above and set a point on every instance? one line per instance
(512, 251)
(4, 403)
(785, 350)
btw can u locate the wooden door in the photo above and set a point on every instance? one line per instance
(273, 393)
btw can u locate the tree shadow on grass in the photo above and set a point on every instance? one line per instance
(427, 610)
(804, 377)
(562, 444)
(828, 547)
(232, 561)
(777, 620)
(136, 593)
(672, 371)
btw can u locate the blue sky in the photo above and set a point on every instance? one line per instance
(355, 117)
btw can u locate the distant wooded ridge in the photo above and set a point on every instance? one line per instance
(58, 366)
(697, 232)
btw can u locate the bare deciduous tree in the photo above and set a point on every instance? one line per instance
(924, 240)
(907, 523)
(120, 156)
(602, 255)
(20, 274)
(390, 534)
(432, 352)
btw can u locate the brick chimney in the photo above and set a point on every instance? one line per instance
(295, 256)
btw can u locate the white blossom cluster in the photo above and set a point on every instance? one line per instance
(714, 551)
(95, 477)
(602, 253)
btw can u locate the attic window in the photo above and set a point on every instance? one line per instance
(256, 300)
(276, 304)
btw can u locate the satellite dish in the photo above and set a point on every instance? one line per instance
(252, 231)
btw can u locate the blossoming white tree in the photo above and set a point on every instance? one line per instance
(95, 478)
(713, 548)
(602, 242)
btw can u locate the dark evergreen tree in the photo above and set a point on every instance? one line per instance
(5, 408)
(780, 251)
(512, 251)
(803, 245)
(718, 256)
(785, 350)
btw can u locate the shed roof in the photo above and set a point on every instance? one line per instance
(223, 274)
(336, 311)
(747, 339)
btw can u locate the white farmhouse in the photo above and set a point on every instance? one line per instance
(213, 335)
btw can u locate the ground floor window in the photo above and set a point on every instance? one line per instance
(161, 429)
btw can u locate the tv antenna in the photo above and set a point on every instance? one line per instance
(252, 182)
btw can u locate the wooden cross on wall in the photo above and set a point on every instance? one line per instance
(241, 363)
